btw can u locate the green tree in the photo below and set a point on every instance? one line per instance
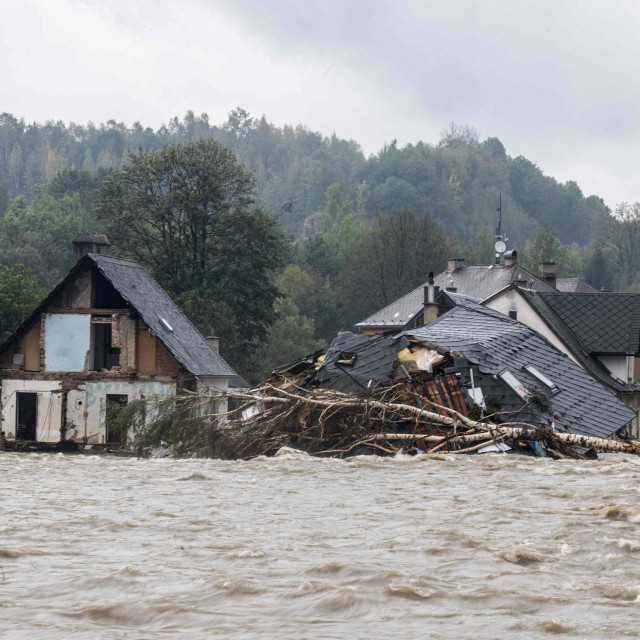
(315, 297)
(481, 249)
(4, 195)
(620, 236)
(291, 336)
(546, 245)
(186, 213)
(20, 293)
(58, 218)
(391, 259)
(597, 271)
(40, 236)
(70, 181)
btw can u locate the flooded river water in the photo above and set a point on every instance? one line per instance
(481, 547)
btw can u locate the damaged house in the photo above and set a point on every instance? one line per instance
(474, 361)
(599, 331)
(108, 334)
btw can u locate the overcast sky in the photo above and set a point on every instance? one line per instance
(556, 81)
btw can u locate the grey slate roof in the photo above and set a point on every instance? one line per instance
(604, 323)
(148, 298)
(573, 343)
(496, 343)
(574, 285)
(374, 359)
(477, 281)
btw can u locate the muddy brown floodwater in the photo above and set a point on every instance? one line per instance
(482, 547)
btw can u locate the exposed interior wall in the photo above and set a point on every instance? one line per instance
(124, 338)
(146, 356)
(49, 407)
(81, 291)
(86, 405)
(67, 340)
(512, 301)
(166, 364)
(30, 347)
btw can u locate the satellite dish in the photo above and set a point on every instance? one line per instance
(501, 247)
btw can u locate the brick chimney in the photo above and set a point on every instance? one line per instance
(90, 242)
(454, 263)
(510, 258)
(548, 273)
(430, 309)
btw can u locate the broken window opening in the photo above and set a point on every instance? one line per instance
(347, 358)
(116, 434)
(26, 416)
(105, 356)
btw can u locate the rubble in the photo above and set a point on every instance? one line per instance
(472, 381)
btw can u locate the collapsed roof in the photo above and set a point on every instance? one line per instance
(498, 344)
(491, 354)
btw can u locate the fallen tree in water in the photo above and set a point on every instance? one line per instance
(330, 423)
(472, 381)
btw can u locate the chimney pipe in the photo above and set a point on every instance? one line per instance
(510, 258)
(90, 242)
(430, 309)
(548, 273)
(213, 340)
(454, 263)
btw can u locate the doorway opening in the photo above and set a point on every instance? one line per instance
(116, 432)
(104, 355)
(26, 416)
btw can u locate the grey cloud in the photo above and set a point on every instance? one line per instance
(554, 80)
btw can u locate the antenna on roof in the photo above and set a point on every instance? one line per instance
(501, 240)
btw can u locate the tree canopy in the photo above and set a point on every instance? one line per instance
(186, 213)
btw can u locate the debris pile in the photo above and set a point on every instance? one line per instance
(472, 381)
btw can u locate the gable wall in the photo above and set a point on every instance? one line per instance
(512, 301)
(58, 356)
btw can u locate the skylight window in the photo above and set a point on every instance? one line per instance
(514, 383)
(166, 325)
(541, 377)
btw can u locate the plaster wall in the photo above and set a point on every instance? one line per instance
(633, 400)
(513, 301)
(215, 382)
(86, 405)
(621, 367)
(67, 340)
(49, 407)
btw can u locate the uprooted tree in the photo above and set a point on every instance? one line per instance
(330, 423)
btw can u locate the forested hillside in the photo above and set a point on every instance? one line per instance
(363, 230)
(456, 180)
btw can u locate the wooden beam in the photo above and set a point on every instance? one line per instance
(96, 312)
